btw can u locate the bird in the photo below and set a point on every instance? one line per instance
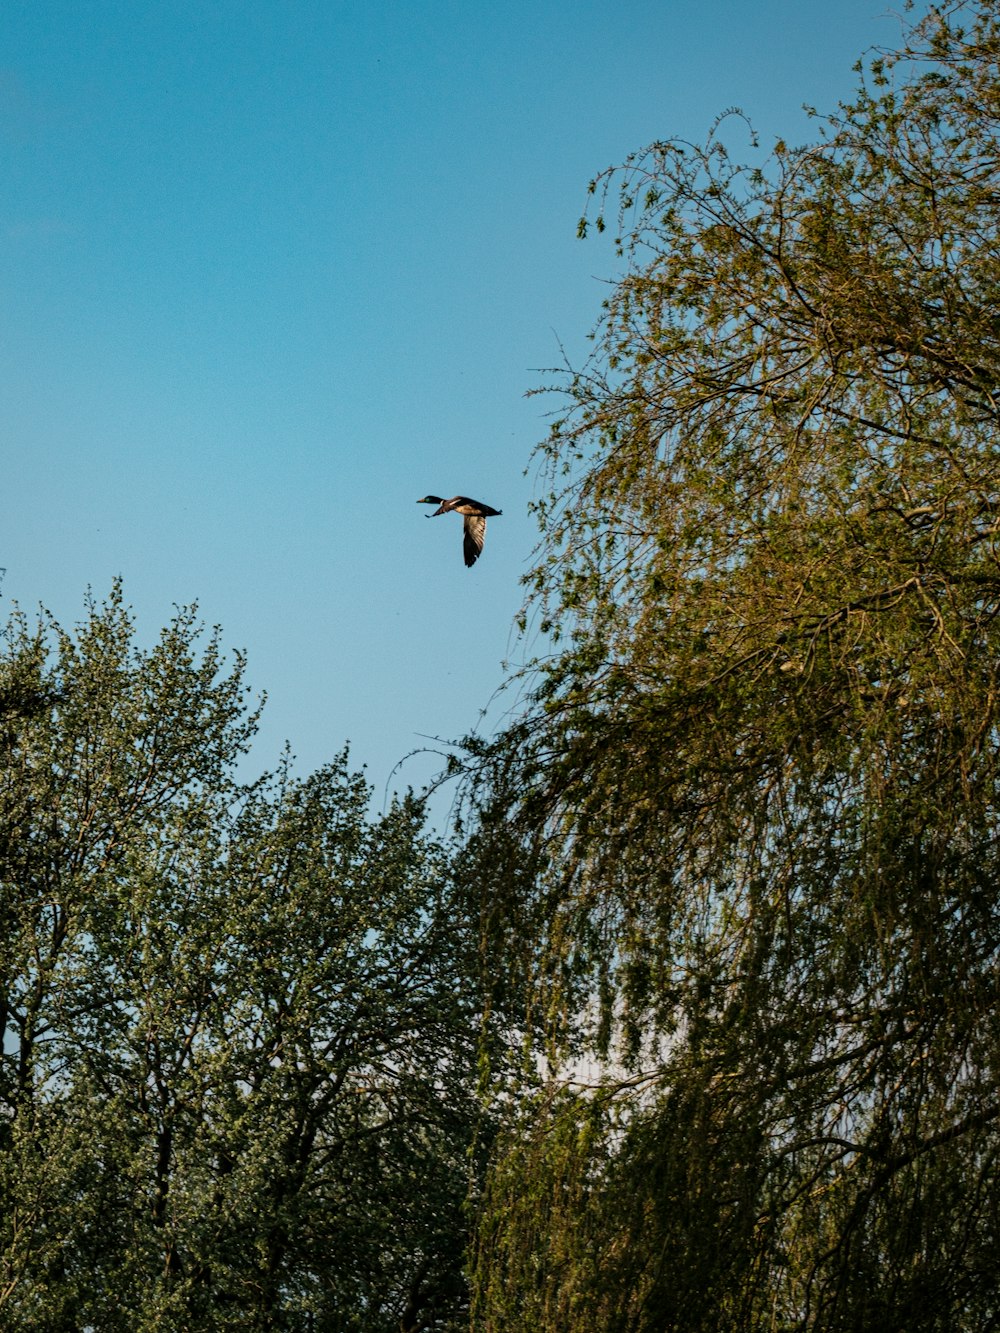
(475, 515)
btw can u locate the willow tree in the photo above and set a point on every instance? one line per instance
(743, 844)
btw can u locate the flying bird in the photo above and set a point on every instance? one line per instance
(475, 515)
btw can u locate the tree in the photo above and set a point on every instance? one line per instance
(744, 838)
(237, 1084)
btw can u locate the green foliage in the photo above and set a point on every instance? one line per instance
(743, 844)
(236, 1086)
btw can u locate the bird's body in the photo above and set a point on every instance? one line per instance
(475, 515)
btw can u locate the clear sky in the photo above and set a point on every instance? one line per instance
(271, 270)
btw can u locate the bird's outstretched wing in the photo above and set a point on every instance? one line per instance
(475, 534)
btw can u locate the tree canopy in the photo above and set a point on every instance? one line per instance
(237, 1083)
(729, 885)
(744, 840)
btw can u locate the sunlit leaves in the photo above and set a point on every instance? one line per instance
(237, 1081)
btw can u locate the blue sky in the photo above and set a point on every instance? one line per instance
(270, 272)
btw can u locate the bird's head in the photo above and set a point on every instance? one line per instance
(431, 500)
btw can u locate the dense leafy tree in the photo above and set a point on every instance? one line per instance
(235, 1090)
(744, 842)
